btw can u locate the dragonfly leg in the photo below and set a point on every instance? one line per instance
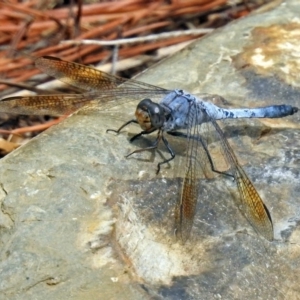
(180, 134)
(154, 146)
(142, 133)
(124, 125)
(170, 151)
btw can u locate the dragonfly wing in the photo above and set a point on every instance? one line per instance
(85, 77)
(186, 207)
(62, 104)
(252, 205)
(187, 204)
(103, 90)
(44, 104)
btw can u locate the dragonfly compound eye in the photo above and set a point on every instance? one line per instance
(150, 115)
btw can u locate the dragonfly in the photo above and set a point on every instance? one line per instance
(176, 113)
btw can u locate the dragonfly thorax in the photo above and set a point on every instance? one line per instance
(150, 115)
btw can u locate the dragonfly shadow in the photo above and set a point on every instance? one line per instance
(178, 144)
(145, 142)
(254, 132)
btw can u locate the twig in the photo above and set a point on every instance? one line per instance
(151, 37)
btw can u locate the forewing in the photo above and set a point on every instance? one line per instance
(85, 77)
(187, 204)
(104, 90)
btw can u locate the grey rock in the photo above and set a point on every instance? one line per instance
(79, 221)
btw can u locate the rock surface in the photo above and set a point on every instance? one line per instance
(79, 221)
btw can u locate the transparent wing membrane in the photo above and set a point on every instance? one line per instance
(198, 159)
(252, 205)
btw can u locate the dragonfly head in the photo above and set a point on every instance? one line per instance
(150, 115)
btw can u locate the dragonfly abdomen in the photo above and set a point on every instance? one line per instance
(274, 111)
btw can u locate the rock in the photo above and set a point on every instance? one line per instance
(79, 221)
